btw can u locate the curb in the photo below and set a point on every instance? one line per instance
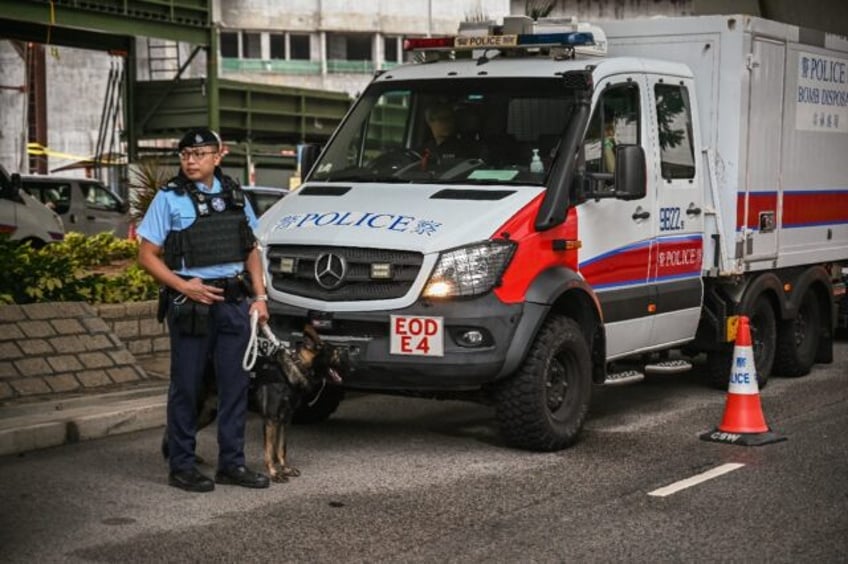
(46, 424)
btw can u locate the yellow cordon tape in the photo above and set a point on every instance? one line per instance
(40, 150)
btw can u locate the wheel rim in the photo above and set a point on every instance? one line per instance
(557, 385)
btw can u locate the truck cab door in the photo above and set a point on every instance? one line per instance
(676, 258)
(617, 233)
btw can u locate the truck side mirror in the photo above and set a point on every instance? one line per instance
(16, 183)
(308, 155)
(630, 172)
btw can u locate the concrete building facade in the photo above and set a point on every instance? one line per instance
(333, 44)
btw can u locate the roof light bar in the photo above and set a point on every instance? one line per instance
(573, 39)
(510, 41)
(428, 44)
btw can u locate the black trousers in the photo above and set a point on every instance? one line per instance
(226, 341)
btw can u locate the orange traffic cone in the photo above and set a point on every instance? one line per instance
(743, 422)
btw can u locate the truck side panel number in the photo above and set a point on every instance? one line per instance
(670, 219)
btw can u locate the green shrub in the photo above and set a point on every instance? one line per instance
(96, 269)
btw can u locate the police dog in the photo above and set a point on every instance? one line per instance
(284, 379)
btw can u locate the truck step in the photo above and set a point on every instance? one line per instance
(669, 367)
(623, 377)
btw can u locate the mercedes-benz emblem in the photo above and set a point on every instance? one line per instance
(330, 270)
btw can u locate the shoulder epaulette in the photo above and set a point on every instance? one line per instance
(177, 184)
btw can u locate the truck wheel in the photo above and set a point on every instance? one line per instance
(543, 405)
(322, 409)
(764, 341)
(34, 242)
(798, 339)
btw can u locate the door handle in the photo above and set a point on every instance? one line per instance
(693, 210)
(91, 217)
(640, 214)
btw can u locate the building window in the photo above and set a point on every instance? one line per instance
(251, 45)
(359, 48)
(229, 44)
(390, 49)
(278, 45)
(299, 47)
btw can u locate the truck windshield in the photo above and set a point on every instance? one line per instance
(481, 131)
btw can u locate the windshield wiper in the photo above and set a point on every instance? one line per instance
(359, 176)
(496, 182)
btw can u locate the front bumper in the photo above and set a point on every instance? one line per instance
(508, 327)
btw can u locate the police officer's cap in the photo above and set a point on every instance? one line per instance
(200, 137)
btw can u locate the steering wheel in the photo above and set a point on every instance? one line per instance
(395, 160)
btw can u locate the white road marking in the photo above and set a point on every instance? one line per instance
(697, 479)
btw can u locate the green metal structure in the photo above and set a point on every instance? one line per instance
(252, 117)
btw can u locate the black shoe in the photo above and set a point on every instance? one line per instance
(242, 476)
(190, 481)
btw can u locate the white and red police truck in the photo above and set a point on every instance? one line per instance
(538, 207)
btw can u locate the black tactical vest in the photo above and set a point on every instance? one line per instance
(221, 232)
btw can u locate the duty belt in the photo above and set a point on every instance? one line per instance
(236, 288)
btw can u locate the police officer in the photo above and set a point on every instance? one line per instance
(197, 242)
(441, 119)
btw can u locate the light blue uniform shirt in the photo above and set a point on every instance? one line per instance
(170, 211)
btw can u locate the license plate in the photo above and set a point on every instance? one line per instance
(417, 335)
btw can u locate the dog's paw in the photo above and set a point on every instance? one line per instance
(279, 478)
(290, 471)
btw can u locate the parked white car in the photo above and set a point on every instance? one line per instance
(24, 218)
(84, 205)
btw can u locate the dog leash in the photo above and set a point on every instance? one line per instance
(252, 350)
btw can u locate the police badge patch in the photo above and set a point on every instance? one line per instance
(218, 204)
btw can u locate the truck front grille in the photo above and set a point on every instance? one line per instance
(338, 274)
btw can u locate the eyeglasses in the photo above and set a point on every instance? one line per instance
(187, 155)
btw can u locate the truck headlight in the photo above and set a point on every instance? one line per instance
(469, 271)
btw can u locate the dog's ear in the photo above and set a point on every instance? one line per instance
(310, 334)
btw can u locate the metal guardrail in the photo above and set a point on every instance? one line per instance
(354, 67)
(271, 66)
(335, 66)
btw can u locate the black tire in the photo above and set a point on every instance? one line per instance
(321, 409)
(719, 364)
(543, 405)
(764, 341)
(34, 242)
(798, 339)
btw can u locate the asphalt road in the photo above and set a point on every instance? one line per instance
(402, 480)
